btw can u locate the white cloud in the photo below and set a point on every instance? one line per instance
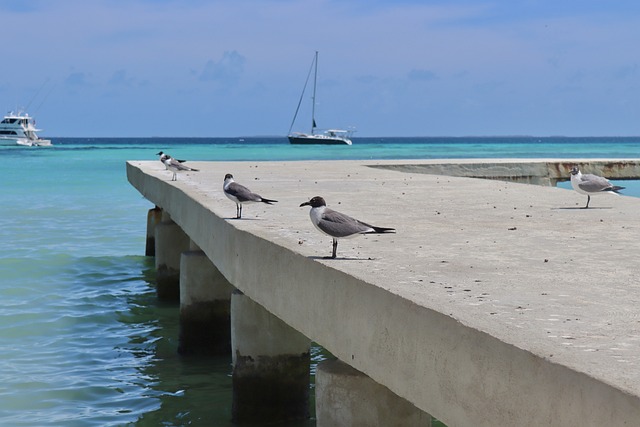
(77, 79)
(227, 70)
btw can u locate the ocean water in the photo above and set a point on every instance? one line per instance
(84, 340)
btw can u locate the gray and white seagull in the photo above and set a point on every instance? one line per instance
(589, 184)
(174, 165)
(338, 225)
(241, 194)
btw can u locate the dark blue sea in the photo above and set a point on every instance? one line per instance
(84, 340)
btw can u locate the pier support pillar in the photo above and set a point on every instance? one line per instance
(347, 397)
(171, 241)
(270, 365)
(205, 306)
(154, 216)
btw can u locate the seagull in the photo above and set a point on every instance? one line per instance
(241, 194)
(174, 165)
(589, 184)
(338, 225)
(161, 153)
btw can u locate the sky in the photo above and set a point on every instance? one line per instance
(233, 68)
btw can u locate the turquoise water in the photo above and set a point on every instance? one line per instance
(84, 340)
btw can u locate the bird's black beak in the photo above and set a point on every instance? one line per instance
(305, 204)
(159, 154)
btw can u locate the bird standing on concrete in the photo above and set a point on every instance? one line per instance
(589, 184)
(338, 225)
(241, 194)
(174, 165)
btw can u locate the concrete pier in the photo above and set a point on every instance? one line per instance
(495, 304)
(154, 217)
(347, 397)
(270, 366)
(170, 241)
(538, 172)
(205, 306)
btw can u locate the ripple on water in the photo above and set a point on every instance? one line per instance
(78, 353)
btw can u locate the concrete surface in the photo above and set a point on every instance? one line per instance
(494, 304)
(270, 378)
(539, 172)
(348, 398)
(171, 242)
(205, 306)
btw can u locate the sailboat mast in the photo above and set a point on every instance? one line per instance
(313, 98)
(304, 89)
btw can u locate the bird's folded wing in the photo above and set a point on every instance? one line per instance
(340, 225)
(594, 184)
(242, 193)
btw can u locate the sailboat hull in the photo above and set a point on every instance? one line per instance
(303, 139)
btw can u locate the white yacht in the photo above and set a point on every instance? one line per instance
(20, 128)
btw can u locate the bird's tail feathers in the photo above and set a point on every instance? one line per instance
(383, 229)
(617, 188)
(613, 190)
(268, 201)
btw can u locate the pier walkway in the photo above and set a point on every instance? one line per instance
(495, 303)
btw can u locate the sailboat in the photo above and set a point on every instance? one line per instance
(329, 136)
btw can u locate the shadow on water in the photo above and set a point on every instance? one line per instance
(188, 390)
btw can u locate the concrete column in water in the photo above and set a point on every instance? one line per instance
(347, 397)
(205, 306)
(154, 216)
(270, 365)
(171, 241)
